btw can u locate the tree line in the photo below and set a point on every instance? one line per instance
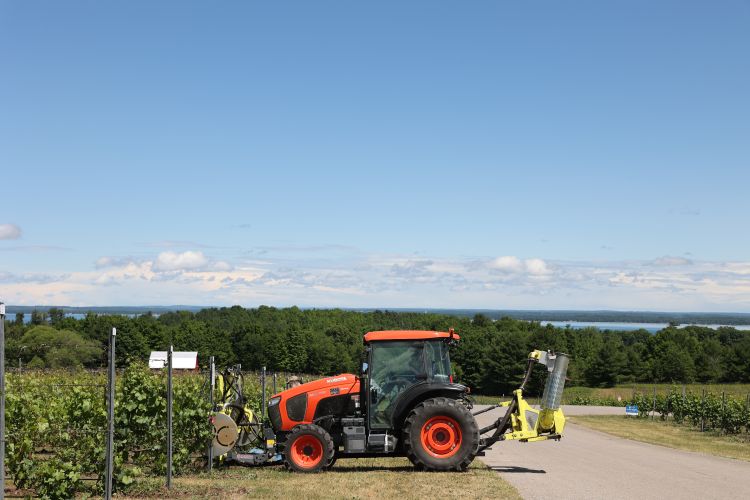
(490, 357)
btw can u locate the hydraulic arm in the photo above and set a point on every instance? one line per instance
(549, 422)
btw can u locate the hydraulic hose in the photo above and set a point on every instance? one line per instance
(529, 369)
(501, 425)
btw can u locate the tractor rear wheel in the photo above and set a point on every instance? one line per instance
(440, 434)
(308, 448)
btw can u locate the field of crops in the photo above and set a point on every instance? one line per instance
(709, 411)
(56, 423)
(623, 394)
(619, 395)
(56, 429)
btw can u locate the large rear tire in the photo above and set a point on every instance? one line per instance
(308, 448)
(440, 434)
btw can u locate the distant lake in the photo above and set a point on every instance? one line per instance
(27, 317)
(627, 327)
(601, 325)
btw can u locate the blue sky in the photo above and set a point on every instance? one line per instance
(391, 154)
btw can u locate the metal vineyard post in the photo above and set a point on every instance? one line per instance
(211, 385)
(110, 417)
(169, 418)
(2, 400)
(263, 395)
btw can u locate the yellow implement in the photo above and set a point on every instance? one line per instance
(548, 422)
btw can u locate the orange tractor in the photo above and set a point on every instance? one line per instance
(403, 403)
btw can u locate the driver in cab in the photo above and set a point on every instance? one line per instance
(394, 371)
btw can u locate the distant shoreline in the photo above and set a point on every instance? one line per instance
(573, 316)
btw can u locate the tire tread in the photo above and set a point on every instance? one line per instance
(321, 434)
(429, 408)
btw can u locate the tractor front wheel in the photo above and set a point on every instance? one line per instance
(308, 448)
(441, 434)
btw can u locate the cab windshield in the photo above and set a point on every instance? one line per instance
(396, 366)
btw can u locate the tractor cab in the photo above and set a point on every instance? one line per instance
(401, 365)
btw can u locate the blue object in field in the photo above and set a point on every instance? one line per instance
(631, 410)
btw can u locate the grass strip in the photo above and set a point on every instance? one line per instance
(667, 433)
(349, 478)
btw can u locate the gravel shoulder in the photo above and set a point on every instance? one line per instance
(591, 464)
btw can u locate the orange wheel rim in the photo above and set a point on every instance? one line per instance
(441, 437)
(306, 451)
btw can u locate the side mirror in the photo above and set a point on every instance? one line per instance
(365, 366)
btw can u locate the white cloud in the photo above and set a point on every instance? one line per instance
(221, 265)
(359, 279)
(173, 261)
(168, 263)
(508, 264)
(512, 264)
(536, 267)
(9, 232)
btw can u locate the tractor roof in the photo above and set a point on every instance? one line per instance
(407, 335)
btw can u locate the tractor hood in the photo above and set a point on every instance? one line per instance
(298, 405)
(345, 379)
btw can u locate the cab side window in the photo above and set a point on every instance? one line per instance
(395, 367)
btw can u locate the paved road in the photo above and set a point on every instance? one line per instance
(590, 464)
